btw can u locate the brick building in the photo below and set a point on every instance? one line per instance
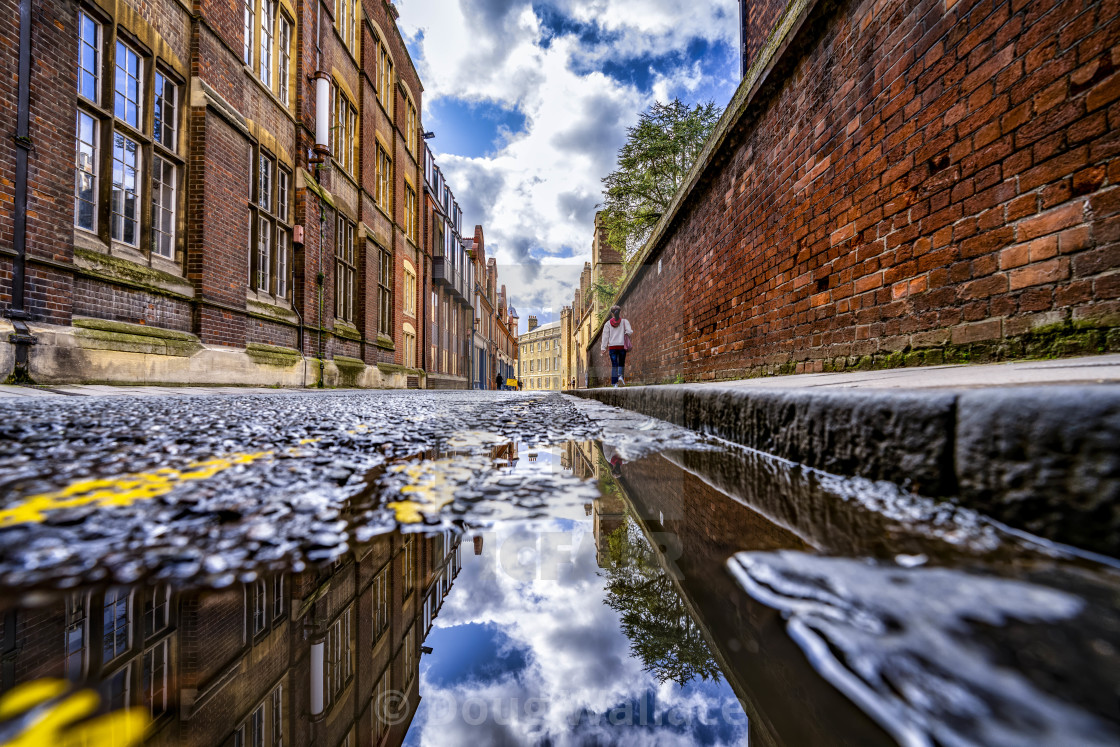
(494, 353)
(894, 183)
(296, 659)
(213, 192)
(450, 312)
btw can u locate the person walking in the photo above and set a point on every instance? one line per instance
(616, 341)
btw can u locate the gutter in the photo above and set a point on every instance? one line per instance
(22, 337)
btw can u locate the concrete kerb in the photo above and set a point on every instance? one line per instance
(1039, 458)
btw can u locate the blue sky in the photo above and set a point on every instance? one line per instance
(530, 102)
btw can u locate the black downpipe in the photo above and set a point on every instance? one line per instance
(22, 337)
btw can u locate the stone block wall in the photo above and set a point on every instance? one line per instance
(903, 178)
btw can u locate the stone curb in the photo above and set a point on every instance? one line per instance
(1045, 459)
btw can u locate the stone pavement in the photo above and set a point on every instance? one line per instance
(1097, 369)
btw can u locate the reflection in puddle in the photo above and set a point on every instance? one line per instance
(571, 595)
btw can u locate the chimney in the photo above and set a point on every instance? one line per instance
(532, 322)
(478, 545)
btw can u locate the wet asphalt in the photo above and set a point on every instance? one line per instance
(211, 490)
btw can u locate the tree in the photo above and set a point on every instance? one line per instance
(654, 617)
(659, 151)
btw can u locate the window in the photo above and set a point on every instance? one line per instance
(156, 607)
(118, 634)
(260, 606)
(272, 51)
(154, 678)
(385, 78)
(89, 57)
(409, 347)
(277, 699)
(380, 603)
(411, 128)
(75, 637)
(124, 151)
(380, 697)
(268, 21)
(117, 690)
(85, 173)
(256, 727)
(410, 664)
(344, 271)
(247, 47)
(125, 217)
(344, 130)
(277, 595)
(409, 290)
(384, 195)
(385, 293)
(338, 657)
(270, 230)
(408, 567)
(410, 212)
(127, 90)
(283, 56)
(346, 16)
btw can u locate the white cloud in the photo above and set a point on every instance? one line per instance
(535, 194)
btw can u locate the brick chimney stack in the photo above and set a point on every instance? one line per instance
(532, 322)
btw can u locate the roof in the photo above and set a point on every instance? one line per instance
(543, 328)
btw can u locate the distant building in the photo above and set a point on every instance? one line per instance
(449, 312)
(539, 357)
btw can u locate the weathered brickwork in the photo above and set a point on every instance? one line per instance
(272, 333)
(106, 301)
(51, 162)
(909, 177)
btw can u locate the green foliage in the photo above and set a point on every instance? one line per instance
(604, 292)
(654, 617)
(659, 151)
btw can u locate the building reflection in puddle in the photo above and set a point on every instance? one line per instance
(311, 658)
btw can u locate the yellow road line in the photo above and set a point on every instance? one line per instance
(119, 491)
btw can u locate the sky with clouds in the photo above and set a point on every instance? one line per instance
(530, 102)
(525, 650)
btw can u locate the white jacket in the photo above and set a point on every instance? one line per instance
(613, 337)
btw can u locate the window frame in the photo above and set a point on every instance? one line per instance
(148, 687)
(384, 292)
(136, 206)
(344, 131)
(268, 214)
(383, 196)
(345, 268)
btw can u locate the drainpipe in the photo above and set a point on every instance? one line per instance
(322, 152)
(295, 308)
(319, 281)
(22, 337)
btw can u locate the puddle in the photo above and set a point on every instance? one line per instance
(495, 591)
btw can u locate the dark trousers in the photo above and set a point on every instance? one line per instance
(618, 362)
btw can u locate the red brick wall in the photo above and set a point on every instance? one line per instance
(50, 173)
(910, 176)
(761, 15)
(105, 301)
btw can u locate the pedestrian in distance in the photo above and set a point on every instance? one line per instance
(616, 341)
